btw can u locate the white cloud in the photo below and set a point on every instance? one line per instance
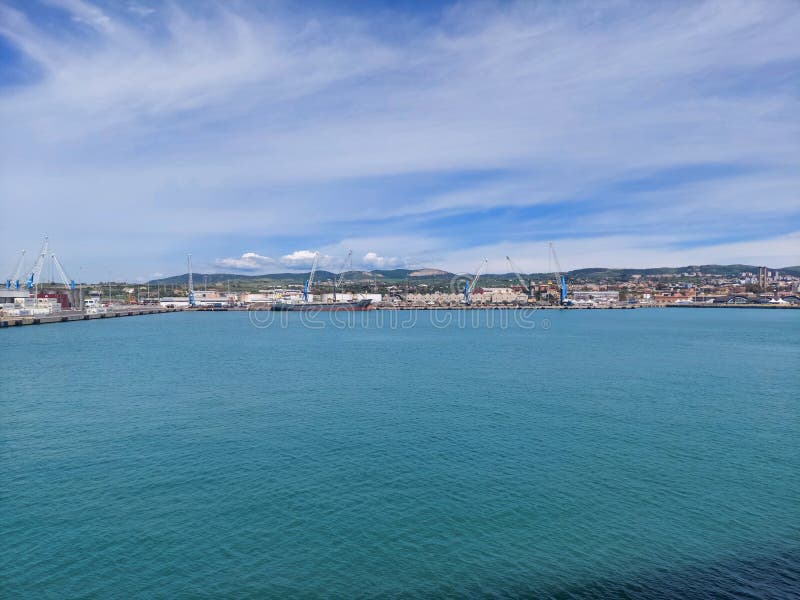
(373, 261)
(249, 261)
(182, 129)
(299, 258)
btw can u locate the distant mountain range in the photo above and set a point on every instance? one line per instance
(421, 276)
(321, 276)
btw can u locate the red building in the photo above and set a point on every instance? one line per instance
(61, 297)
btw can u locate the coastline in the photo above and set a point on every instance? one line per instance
(135, 311)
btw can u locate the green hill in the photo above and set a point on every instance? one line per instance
(437, 277)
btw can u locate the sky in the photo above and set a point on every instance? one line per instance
(253, 134)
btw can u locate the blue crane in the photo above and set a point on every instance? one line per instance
(191, 283)
(469, 287)
(13, 280)
(68, 283)
(561, 281)
(526, 287)
(310, 280)
(36, 272)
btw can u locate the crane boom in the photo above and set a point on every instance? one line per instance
(561, 282)
(470, 287)
(337, 283)
(68, 283)
(478, 274)
(310, 280)
(515, 269)
(33, 278)
(191, 283)
(13, 280)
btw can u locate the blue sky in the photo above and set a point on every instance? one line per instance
(416, 134)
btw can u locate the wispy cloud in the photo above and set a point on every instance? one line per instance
(226, 127)
(249, 261)
(141, 10)
(373, 261)
(85, 13)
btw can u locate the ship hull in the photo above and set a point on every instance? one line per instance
(323, 306)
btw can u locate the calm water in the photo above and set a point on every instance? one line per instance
(640, 454)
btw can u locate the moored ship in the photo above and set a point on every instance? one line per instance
(305, 303)
(323, 306)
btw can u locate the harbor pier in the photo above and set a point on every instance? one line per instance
(76, 315)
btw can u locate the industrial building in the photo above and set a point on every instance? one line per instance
(595, 296)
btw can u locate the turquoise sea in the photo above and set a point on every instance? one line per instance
(568, 454)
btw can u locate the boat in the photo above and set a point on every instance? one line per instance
(305, 303)
(92, 305)
(322, 306)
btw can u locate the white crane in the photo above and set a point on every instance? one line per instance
(13, 280)
(561, 282)
(68, 283)
(36, 272)
(337, 283)
(310, 280)
(470, 287)
(191, 283)
(515, 269)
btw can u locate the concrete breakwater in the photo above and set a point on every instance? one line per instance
(74, 315)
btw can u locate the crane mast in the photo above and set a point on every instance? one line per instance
(33, 278)
(470, 287)
(337, 283)
(515, 269)
(191, 283)
(310, 280)
(561, 282)
(13, 280)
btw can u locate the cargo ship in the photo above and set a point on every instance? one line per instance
(305, 303)
(323, 306)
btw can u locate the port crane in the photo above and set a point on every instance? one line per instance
(191, 283)
(525, 286)
(337, 282)
(13, 280)
(561, 281)
(310, 280)
(36, 272)
(469, 287)
(68, 283)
